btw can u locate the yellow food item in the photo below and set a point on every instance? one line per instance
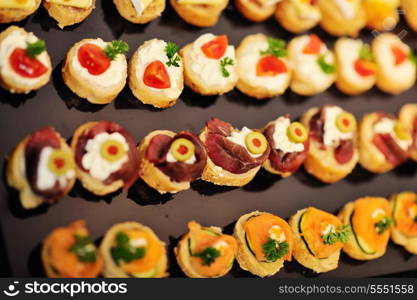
(256, 142)
(73, 3)
(205, 2)
(22, 4)
(182, 149)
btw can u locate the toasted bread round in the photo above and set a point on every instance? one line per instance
(128, 11)
(247, 261)
(220, 176)
(351, 247)
(199, 15)
(153, 176)
(322, 163)
(289, 18)
(254, 12)
(16, 176)
(18, 84)
(335, 23)
(111, 269)
(301, 253)
(381, 15)
(90, 183)
(245, 83)
(408, 242)
(8, 15)
(392, 79)
(370, 157)
(182, 254)
(88, 89)
(149, 95)
(407, 116)
(67, 15)
(410, 9)
(192, 80)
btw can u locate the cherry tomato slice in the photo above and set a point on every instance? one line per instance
(215, 48)
(92, 58)
(156, 76)
(313, 46)
(399, 55)
(25, 65)
(270, 66)
(365, 68)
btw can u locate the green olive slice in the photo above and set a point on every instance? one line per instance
(297, 133)
(182, 149)
(346, 122)
(256, 142)
(112, 150)
(402, 131)
(60, 162)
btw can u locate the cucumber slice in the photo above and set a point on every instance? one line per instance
(365, 248)
(300, 229)
(191, 242)
(148, 274)
(249, 245)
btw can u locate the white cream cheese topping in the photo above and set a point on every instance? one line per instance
(280, 137)
(111, 77)
(138, 243)
(95, 163)
(19, 39)
(208, 70)
(46, 179)
(140, 5)
(332, 135)
(348, 8)
(386, 126)
(155, 50)
(307, 11)
(238, 137)
(377, 212)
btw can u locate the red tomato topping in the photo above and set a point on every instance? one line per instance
(92, 58)
(365, 67)
(399, 54)
(156, 76)
(270, 66)
(313, 46)
(216, 48)
(25, 65)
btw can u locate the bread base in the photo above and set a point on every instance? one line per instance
(153, 176)
(199, 15)
(407, 115)
(111, 269)
(410, 8)
(303, 256)
(253, 11)
(66, 15)
(128, 11)
(287, 15)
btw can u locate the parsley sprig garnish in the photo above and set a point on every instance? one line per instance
(123, 251)
(36, 48)
(276, 47)
(227, 61)
(412, 57)
(171, 50)
(342, 234)
(365, 53)
(84, 248)
(114, 48)
(274, 249)
(208, 255)
(383, 224)
(325, 67)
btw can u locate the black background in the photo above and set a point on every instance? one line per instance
(55, 105)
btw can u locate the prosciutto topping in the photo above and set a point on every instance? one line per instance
(343, 153)
(177, 171)
(227, 154)
(281, 161)
(387, 145)
(45, 137)
(128, 172)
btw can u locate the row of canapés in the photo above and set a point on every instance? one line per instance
(261, 242)
(261, 67)
(338, 17)
(104, 157)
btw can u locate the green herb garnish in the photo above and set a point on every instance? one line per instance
(208, 255)
(84, 248)
(415, 219)
(325, 67)
(227, 61)
(383, 225)
(342, 234)
(114, 48)
(123, 251)
(171, 50)
(365, 53)
(274, 250)
(412, 57)
(36, 48)
(276, 48)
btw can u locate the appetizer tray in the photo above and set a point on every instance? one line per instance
(23, 231)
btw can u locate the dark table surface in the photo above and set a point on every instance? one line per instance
(23, 231)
